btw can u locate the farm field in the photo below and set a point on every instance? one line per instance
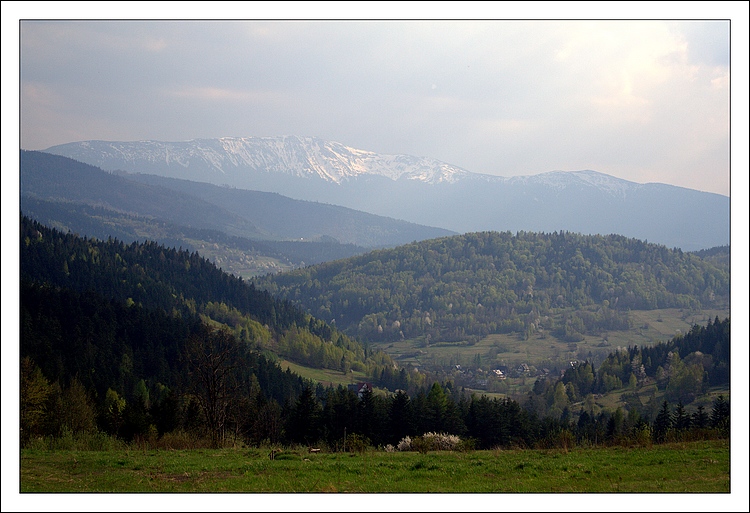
(676, 468)
(649, 327)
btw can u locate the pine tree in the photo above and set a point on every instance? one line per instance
(662, 423)
(681, 418)
(700, 418)
(720, 414)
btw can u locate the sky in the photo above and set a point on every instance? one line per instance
(637, 90)
(646, 101)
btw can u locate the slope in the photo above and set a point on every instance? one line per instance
(296, 219)
(469, 286)
(427, 191)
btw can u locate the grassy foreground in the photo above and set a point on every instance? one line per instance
(679, 468)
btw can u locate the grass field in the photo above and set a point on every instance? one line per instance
(324, 376)
(649, 327)
(677, 468)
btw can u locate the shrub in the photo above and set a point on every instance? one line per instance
(357, 443)
(441, 441)
(177, 440)
(420, 444)
(642, 436)
(404, 444)
(434, 442)
(67, 441)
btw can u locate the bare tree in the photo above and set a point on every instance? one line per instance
(212, 355)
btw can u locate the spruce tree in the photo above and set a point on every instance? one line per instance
(662, 423)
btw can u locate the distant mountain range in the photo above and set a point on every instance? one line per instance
(240, 230)
(427, 191)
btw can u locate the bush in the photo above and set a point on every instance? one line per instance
(642, 436)
(434, 442)
(67, 441)
(442, 441)
(177, 440)
(404, 444)
(420, 444)
(357, 443)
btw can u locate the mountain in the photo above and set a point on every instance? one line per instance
(427, 191)
(302, 157)
(292, 219)
(465, 287)
(247, 232)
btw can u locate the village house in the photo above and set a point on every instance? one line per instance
(360, 388)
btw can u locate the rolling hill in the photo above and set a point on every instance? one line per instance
(465, 287)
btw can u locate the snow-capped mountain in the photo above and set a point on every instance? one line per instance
(223, 158)
(427, 191)
(561, 180)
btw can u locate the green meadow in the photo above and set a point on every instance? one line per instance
(691, 467)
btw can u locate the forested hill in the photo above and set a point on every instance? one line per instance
(183, 284)
(470, 285)
(145, 273)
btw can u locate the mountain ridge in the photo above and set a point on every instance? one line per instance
(303, 156)
(427, 191)
(246, 232)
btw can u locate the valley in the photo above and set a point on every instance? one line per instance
(133, 286)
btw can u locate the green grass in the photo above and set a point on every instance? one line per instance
(324, 376)
(649, 327)
(678, 468)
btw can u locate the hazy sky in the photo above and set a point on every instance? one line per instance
(646, 101)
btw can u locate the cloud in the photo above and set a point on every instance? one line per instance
(633, 99)
(218, 94)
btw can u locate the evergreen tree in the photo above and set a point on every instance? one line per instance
(720, 414)
(662, 424)
(401, 417)
(304, 420)
(681, 418)
(700, 418)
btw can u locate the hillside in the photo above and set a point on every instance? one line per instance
(290, 219)
(183, 284)
(239, 256)
(466, 287)
(244, 232)
(426, 191)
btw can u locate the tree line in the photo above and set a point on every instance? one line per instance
(221, 389)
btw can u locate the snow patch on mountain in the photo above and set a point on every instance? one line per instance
(309, 157)
(296, 156)
(561, 180)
